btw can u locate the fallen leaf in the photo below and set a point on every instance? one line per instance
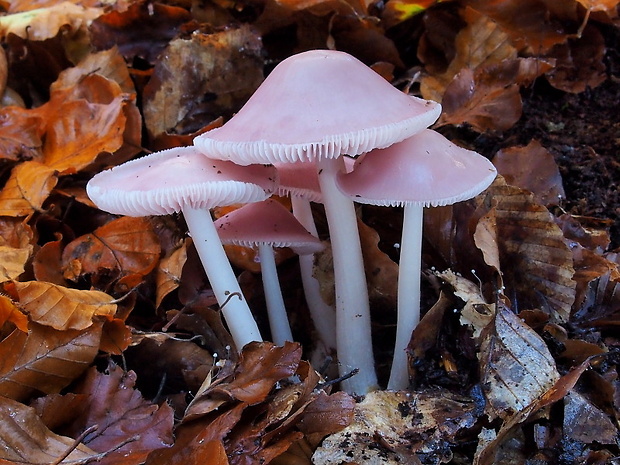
(44, 359)
(516, 366)
(128, 426)
(586, 423)
(14, 261)
(169, 273)
(11, 313)
(27, 188)
(381, 270)
(26, 440)
(20, 134)
(45, 23)
(398, 427)
(115, 337)
(46, 263)
(532, 167)
(126, 244)
(225, 66)
(63, 308)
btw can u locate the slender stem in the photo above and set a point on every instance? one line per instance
(353, 331)
(223, 281)
(278, 319)
(323, 315)
(410, 266)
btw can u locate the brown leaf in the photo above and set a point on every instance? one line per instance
(44, 359)
(536, 263)
(516, 366)
(226, 66)
(381, 270)
(327, 414)
(261, 365)
(45, 23)
(116, 337)
(10, 312)
(586, 423)
(27, 188)
(46, 263)
(78, 131)
(169, 273)
(128, 425)
(26, 440)
(126, 244)
(531, 167)
(398, 427)
(63, 308)
(20, 134)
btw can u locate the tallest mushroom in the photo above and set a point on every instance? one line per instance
(317, 106)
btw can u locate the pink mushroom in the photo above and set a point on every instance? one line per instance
(424, 170)
(182, 179)
(266, 225)
(318, 106)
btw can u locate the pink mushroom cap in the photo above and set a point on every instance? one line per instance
(426, 169)
(320, 103)
(165, 182)
(269, 223)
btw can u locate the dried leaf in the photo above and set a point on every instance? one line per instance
(586, 423)
(26, 440)
(45, 360)
(516, 366)
(63, 308)
(10, 312)
(226, 66)
(398, 427)
(13, 262)
(45, 23)
(327, 414)
(27, 188)
(115, 337)
(78, 131)
(126, 244)
(128, 425)
(381, 270)
(169, 273)
(46, 263)
(20, 134)
(536, 263)
(531, 167)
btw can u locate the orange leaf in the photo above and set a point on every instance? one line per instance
(9, 312)
(20, 134)
(126, 244)
(116, 337)
(63, 308)
(27, 188)
(79, 131)
(26, 440)
(169, 273)
(45, 360)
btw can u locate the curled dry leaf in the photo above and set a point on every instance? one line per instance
(44, 359)
(27, 188)
(63, 308)
(399, 427)
(516, 366)
(536, 263)
(26, 440)
(169, 273)
(45, 23)
(532, 167)
(126, 244)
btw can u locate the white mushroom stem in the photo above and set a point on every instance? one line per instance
(278, 319)
(223, 281)
(408, 313)
(353, 330)
(323, 315)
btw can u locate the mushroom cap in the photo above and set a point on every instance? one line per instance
(267, 222)
(299, 179)
(426, 169)
(320, 103)
(164, 182)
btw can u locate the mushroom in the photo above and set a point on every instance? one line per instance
(182, 179)
(320, 105)
(424, 170)
(266, 225)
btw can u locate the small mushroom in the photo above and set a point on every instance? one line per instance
(183, 179)
(317, 106)
(266, 225)
(424, 170)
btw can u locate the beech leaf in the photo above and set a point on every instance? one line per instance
(126, 244)
(516, 366)
(27, 188)
(63, 308)
(20, 134)
(24, 439)
(10, 312)
(44, 359)
(169, 273)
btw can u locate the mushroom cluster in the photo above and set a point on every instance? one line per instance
(313, 111)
